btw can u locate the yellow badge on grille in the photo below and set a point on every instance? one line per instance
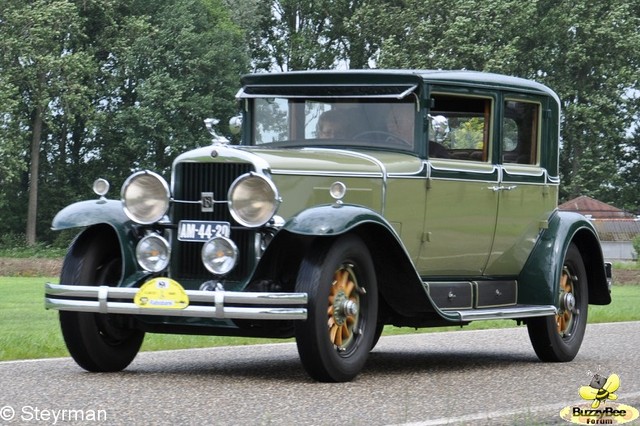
(161, 293)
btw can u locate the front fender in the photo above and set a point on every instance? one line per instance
(539, 280)
(333, 219)
(101, 216)
(91, 212)
(398, 281)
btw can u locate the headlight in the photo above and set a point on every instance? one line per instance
(219, 255)
(153, 253)
(145, 197)
(253, 200)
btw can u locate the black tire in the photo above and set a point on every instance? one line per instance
(558, 338)
(335, 340)
(97, 342)
(377, 334)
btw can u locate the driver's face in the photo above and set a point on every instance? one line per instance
(328, 130)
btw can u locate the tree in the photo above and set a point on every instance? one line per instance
(40, 64)
(102, 88)
(303, 34)
(588, 53)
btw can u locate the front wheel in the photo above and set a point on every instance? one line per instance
(558, 338)
(339, 278)
(97, 342)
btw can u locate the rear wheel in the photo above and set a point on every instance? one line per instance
(558, 338)
(335, 340)
(97, 342)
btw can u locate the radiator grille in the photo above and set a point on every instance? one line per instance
(191, 180)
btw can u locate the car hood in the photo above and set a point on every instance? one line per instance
(310, 160)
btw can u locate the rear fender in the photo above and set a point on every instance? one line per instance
(539, 280)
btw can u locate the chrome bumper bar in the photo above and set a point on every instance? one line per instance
(207, 304)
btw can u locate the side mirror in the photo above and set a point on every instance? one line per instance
(235, 125)
(439, 128)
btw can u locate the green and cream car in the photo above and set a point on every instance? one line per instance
(354, 200)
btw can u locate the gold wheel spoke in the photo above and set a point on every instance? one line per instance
(349, 289)
(344, 275)
(564, 282)
(560, 322)
(334, 331)
(345, 332)
(338, 337)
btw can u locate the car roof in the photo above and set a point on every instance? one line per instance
(327, 78)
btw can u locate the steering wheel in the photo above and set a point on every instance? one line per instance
(382, 136)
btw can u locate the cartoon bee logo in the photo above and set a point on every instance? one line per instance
(600, 389)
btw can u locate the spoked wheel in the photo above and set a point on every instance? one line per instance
(335, 340)
(97, 342)
(558, 338)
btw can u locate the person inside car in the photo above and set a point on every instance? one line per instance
(331, 125)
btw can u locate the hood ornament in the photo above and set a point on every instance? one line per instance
(216, 138)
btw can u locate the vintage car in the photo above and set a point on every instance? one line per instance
(354, 200)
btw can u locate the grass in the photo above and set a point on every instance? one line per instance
(626, 265)
(29, 331)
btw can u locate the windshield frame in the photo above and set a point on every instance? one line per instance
(285, 122)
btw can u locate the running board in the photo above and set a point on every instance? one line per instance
(513, 312)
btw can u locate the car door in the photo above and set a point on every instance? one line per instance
(527, 191)
(461, 205)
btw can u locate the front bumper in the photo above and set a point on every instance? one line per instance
(203, 304)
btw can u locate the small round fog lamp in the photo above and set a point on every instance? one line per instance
(101, 187)
(337, 190)
(153, 253)
(219, 255)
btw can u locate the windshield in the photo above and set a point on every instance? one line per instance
(381, 123)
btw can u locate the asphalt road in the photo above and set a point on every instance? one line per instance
(468, 377)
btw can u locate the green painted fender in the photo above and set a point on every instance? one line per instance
(333, 219)
(398, 280)
(94, 214)
(539, 280)
(91, 212)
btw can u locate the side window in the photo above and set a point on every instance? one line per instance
(271, 120)
(460, 127)
(520, 132)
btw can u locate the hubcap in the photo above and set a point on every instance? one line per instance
(343, 307)
(567, 313)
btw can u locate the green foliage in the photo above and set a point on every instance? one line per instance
(15, 246)
(636, 247)
(296, 35)
(121, 85)
(588, 53)
(118, 86)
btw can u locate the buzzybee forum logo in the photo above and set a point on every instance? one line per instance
(599, 410)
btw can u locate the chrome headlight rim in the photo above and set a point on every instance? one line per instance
(163, 244)
(164, 196)
(274, 199)
(233, 256)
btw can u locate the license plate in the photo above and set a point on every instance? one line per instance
(200, 230)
